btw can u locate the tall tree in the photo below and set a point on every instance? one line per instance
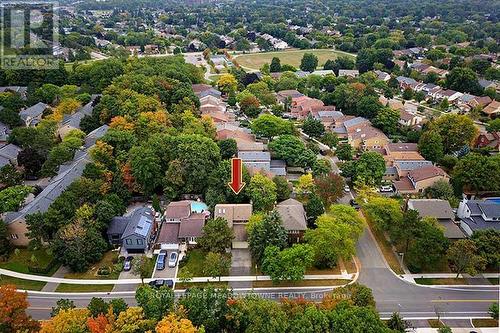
(267, 232)
(287, 264)
(217, 236)
(329, 187)
(13, 316)
(275, 65)
(430, 145)
(313, 127)
(156, 303)
(262, 192)
(456, 131)
(464, 258)
(309, 62)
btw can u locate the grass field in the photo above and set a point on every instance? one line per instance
(292, 57)
(20, 259)
(22, 284)
(77, 288)
(303, 283)
(426, 281)
(106, 261)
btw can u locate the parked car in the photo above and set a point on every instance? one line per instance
(127, 264)
(347, 188)
(160, 283)
(354, 204)
(160, 262)
(386, 188)
(172, 259)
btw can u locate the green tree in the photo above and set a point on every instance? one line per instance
(5, 246)
(314, 207)
(262, 192)
(344, 152)
(455, 130)
(283, 188)
(493, 125)
(275, 65)
(291, 149)
(397, 323)
(463, 79)
(313, 127)
(217, 236)
(369, 168)
(441, 189)
(383, 212)
(287, 264)
(228, 148)
(156, 303)
(403, 232)
(330, 139)
(329, 187)
(269, 126)
(97, 306)
(493, 310)
(487, 242)
(335, 236)
(407, 94)
(9, 176)
(387, 120)
(145, 168)
(216, 265)
(267, 232)
(12, 197)
(62, 304)
(349, 318)
(477, 172)
(431, 145)
(445, 329)
(143, 268)
(309, 62)
(464, 258)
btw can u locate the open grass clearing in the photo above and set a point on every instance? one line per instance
(20, 259)
(255, 61)
(82, 288)
(428, 282)
(303, 283)
(21, 283)
(108, 260)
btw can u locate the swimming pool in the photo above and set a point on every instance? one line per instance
(198, 206)
(495, 200)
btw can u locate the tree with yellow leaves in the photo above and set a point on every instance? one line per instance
(227, 83)
(175, 324)
(67, 321)
(132, 320)
(67, 106)
(121, 123)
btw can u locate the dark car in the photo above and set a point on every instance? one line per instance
(354, 204)
(160, 262)
(160, 283)
(127, 264)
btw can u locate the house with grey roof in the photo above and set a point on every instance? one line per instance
(134, 232)
(22, 91)
(33, 115)
(4, 131)
(406, 82)
(405, 166)
(261, 161)
(95, 135)
(72, 121)
(8, 154)
(352, 73)
(441, 211)
(478, 215)
(67, 174)
(293, 219)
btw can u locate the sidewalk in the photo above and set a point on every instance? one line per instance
(60, 273)
(195, 279)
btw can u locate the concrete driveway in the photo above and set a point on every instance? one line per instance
(167, 272)
(126, 287)
(241, 264)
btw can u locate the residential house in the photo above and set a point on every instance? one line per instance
(349, 73)
(323, 72)
(419, 179)
(257, 161)
(327, 115)
(405, 166)
(287, 95)
(300, 107)
(485, 84)
(493, 109)
(450, 95)
(409, 119)
(67, 174)
(201, 90)
(490, 140)
(245, 140)
(466, 102)
(406, 82)
(33, 115)
(184, 221)
(22, 91)
(441, 210)
(71, 122)
(360, 133)
(401, 152)
(8, 154)
(237, 216)
(478, 215)
(135, 232)
(4, 131)
(293, 219)
(413, 52)
(383, 76)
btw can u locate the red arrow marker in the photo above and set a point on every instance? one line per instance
(236, 183)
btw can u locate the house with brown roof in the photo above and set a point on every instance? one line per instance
(440, 210)
(401, 152)
(419, 179)
(284, 95)
(493, 109)
(409, 119)
(300, 107)
(293, 219)
(183, 223)
(237, 216)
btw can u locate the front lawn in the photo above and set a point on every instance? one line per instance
(22, 258)
(21, 283)
(185, 285)
(109, 263)
(192, 265)
(303, 283)
(77, 288)
(485, 322)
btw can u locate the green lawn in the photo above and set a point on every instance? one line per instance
(20, 259)
(194, 264)
(292, 57)
(76, 288)
(493, 280)
(426, 281)
(303, 283)
(109, 259)
(185, 285)
(22, 284)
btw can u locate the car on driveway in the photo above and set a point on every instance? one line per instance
(386, 188)
(127, 264)
(347, 188)
(172, 259)
(160, 283)
(160, 262)
(354, 204)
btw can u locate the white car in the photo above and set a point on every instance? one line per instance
(347, 188)
(386, 188)
(172, 259)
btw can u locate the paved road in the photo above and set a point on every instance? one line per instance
(393, 294)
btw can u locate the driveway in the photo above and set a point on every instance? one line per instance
(241, 264)
(167, 272)
(126, 287)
